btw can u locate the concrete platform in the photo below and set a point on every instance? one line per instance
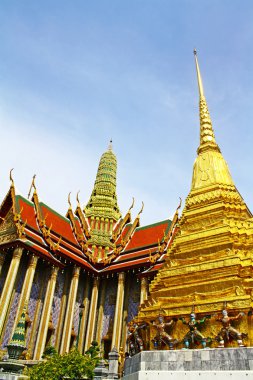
(227, 363)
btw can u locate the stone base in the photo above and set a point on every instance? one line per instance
(11, 370)
(12, 376)
(223, 363)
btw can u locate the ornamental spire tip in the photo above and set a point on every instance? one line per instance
(110, 145)
(200, 84)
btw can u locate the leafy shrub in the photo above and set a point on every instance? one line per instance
(72, 365)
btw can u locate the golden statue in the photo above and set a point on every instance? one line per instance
(228, 332)
(162, 337)
(134, 340)
(194, 336)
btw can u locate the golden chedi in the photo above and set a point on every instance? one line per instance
(209, 264)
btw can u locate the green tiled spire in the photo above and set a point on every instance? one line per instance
(103, 201)
(17, 343)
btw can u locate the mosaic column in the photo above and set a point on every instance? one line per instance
(118, 312)
(45, 316)
(62, 311)
(83, 324)
(35, 322)
(2, 257)
(144, 289)
(66, 335)
(100, 312)
(92, 314)
(9, 285)
(26, 288)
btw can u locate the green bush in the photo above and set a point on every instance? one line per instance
(72, 365)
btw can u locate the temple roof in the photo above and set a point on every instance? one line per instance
(51, 235)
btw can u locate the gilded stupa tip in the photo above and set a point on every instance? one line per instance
(110, 145)
(200, 83)
(207, 138)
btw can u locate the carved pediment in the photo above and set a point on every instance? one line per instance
(8, 230)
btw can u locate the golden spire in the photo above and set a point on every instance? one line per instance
(103, 201)
(210, 166)
(207, 138)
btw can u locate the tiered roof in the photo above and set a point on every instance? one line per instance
(58, 239)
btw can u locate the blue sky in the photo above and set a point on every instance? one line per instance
(74, 74)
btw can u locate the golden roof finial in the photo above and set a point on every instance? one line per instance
(142, 207)
(69, 201)
(132, 205)
(32, 186)
(11, 178)
(207, 138)
(110, 145)
(77, 199)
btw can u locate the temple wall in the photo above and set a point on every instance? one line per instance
(134, 298)
(6, 264)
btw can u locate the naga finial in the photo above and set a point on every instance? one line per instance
(77, 198)
(180, 203)
(32, 186)
(11, 178)
(132, 205)
(142, 207)
(69, 201)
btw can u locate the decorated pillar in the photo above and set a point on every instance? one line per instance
(2, 257)
(92, 314)
(35, 321)
(100, 312)
(9, 285)
(66, 334)
(144, 289)
(84, 319)
(26, 288)
(45, 316)
(118, 312)
(64, 299)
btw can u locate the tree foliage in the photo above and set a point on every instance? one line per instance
(72, 365)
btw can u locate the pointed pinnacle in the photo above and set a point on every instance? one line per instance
(200, 84)
(207, 138)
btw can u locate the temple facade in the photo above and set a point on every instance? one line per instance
(84, 276)
(80, 277)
